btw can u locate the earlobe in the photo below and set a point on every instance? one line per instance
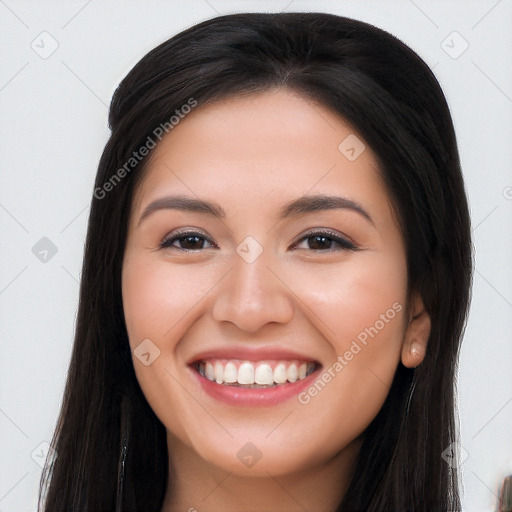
(416, 335)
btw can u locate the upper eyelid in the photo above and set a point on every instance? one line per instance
(324, 231)
(184, 232)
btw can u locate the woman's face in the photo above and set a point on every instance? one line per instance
(261, 247)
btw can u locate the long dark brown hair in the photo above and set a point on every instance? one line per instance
(111, 448)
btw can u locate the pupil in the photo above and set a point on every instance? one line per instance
(324, 242)
(194, 240)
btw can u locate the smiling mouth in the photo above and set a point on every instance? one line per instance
(250, 374)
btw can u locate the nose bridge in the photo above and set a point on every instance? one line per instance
(252, 295)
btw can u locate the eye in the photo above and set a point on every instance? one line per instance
(186, 241)
(326, 241)
(191, 241)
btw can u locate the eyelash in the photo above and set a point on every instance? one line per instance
(344, 243)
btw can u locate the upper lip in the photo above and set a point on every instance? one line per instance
(252, 354)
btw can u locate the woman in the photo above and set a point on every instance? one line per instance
(275, 283)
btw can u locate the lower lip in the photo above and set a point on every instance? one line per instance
(234, 395)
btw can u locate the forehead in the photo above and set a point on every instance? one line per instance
(266, 148)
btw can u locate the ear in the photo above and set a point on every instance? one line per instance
(416, 336)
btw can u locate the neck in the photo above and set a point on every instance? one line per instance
(197, 486)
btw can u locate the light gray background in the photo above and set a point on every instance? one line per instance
(52, 131)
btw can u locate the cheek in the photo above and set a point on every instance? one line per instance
(366, 292)
(361, 310)
(158, 298)
(159, 302)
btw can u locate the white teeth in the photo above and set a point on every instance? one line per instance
(264, 375)
(209, 371)
(230, 373)
(246, 373)
(219, 373)
(254, 374)
(280, 374)
(292, 373)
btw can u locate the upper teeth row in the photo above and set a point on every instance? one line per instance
(254, 373)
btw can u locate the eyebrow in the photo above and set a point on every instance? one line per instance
(295, 208)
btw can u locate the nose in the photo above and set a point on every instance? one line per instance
(253, 295)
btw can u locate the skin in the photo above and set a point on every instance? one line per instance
(251, 155)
